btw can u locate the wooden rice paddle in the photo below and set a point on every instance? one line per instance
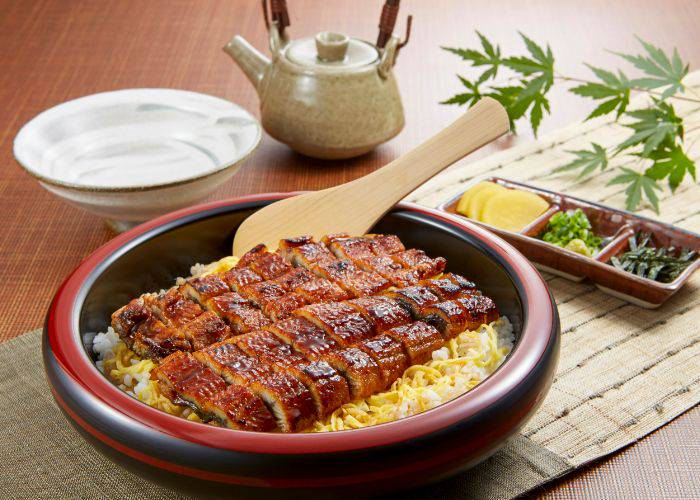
(354, 207)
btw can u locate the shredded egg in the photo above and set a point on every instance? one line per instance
(456, 368)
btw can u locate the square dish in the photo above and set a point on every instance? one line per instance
(615, 227)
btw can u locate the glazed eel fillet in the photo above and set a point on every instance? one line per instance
(287, 337)
(265, 287)
(156, 325)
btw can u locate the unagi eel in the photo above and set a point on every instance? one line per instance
(285, 338)
(236, 407)
(287, 398)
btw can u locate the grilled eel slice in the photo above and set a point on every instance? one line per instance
(268, 265)
(327, 387)
(386, 256)
(155, 340)
(389, 354)
(128, 317)
(418, 339)
(304, 252)
(239, 313)
(144, 333)
(464, 313)
(362, 373)
(305, 337)
(345, 324)
(288, 399)
(383, 312)
(235, 406)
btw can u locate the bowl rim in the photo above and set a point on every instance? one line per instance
(63, 339)
(131, 189)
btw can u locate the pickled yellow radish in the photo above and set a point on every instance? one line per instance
(463, 203)
(513, 209)
(478, 199)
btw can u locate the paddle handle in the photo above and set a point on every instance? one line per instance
(379, 191)
(356, 206)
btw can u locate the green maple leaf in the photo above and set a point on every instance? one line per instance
(521, 99)
(539, 105)
(536, 70)
(531, 96)
(587, 160)
(491, 57)
(470, 97)
(541, 61)
(638, 185)
(653, 126)
(661, 70)
(614, 88)
(506, 96)
(672, 162)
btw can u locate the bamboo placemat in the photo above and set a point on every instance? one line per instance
(623, 372)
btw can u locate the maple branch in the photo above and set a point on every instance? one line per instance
(564, 78)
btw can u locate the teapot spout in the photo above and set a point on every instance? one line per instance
(252, 62)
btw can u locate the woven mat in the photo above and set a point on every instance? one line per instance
(49, 459)
(624, 371)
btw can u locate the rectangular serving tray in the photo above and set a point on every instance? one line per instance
(614, 226)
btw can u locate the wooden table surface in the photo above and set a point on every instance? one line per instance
(55, 50)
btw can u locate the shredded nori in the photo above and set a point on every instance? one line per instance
(663, 264)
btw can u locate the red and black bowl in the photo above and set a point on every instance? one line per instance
(199, 458)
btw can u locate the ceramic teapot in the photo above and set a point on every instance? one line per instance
(330, 96)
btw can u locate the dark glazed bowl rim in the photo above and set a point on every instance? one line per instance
(62, 339)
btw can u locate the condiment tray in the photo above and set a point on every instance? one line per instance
(615, 227)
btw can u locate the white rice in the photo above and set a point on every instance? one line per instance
(103, 344)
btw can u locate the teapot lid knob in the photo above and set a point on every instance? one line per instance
(330, 51)
(331, 47)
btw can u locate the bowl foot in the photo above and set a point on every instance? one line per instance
(119, 226)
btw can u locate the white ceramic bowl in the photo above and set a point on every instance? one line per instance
(131, 155)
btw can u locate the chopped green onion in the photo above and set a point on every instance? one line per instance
(572, 230)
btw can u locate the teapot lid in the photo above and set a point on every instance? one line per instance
(331, 50)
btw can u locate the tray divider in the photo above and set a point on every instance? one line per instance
(537, 226)
(616, 245)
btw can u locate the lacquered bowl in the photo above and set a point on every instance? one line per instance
(198, 458)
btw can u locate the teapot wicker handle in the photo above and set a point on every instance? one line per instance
(387, 22)
(278, 14)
